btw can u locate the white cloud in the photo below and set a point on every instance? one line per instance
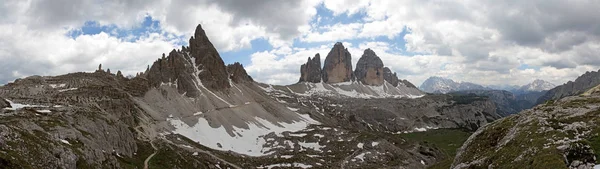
(25, 52)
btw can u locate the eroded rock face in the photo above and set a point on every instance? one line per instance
(390, 77)
(311, 70)
(213, 74)
(238, 74)
(338, 65)
(369, 69)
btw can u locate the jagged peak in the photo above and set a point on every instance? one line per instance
(237, 73)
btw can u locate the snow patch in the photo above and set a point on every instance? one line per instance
(69, 89)
(298, 135)
(43, 111)
(54, 86)
(373, 144)
(17, 106)
(360, 145)
(360, 157)
(245, 141)
(65, 141)
(288, 165)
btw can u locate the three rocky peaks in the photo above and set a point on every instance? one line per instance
(338, 68)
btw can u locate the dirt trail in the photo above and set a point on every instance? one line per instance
(149, 157)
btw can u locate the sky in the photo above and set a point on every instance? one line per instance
(488, 42)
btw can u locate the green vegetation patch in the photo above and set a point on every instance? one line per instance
(447, 140)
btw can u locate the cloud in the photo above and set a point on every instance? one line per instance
(486, 41)
(24, 52)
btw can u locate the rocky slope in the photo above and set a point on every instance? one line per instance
(506, 102)
(580, 85)
(189, 110)
(442, 85)
(559, 134)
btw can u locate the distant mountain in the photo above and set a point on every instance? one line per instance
(537, 86)
(581, 84)
(506, 87)
(442, 85)
(507, 103)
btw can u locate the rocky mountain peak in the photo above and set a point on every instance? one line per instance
(436, 84)
(538, 85)
(211, 67)
(193, 67)
(311, 70)
(369, 69)
(338, 65)
(238, 74)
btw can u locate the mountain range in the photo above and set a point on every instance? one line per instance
(443, 85)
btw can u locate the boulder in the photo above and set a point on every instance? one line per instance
(369, 69)
(238, 74)
(338, 65)
(311, 70)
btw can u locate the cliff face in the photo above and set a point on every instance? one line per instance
(338, 65)
(369, 69)
(311, 70)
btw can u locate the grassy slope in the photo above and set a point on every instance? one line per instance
(448, 140)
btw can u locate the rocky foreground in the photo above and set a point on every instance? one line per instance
(557, 134)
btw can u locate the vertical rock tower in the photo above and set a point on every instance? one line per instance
(311, 70)
(369, 69)
(338, 65)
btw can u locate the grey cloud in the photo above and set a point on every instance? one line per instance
(562, 64)
(283, 17)
(529, 23)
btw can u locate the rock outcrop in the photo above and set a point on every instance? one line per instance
(338, 65)
(238, 74)
(311, 70)
(390, 77)
(369, 69)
